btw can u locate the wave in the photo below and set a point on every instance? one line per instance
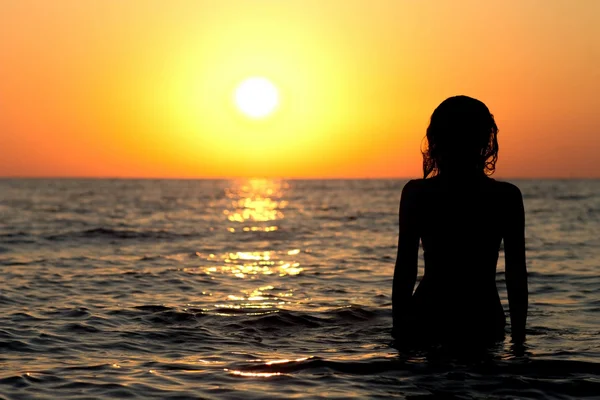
(19, 237)
(251, 318)
(558, 370)
(109, 233)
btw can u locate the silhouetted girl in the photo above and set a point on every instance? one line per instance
(461, 216)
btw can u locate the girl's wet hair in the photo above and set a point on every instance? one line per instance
(462, 137)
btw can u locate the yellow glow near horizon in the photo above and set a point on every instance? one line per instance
(257, 97)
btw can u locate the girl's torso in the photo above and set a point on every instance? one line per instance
(461, 225)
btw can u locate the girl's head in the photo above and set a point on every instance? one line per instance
(461, 139)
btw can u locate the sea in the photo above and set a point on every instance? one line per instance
(268, 289)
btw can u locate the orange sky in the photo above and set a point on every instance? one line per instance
(143, 88)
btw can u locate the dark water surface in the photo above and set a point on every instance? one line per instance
(266, 289)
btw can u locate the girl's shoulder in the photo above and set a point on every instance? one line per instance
(507, 189)
(413, 186)
(437, 184)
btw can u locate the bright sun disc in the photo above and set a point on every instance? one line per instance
(256, 97)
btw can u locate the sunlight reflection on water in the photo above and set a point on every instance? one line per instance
(244, 264)
(255, 205)
(253, 374)
(256, 200)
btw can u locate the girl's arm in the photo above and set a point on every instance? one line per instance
(516, 269)
(405, 271)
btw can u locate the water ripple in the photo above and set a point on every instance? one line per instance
(266, 290)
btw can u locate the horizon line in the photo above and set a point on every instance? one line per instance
(311, 178)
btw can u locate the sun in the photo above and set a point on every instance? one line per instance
(256, 97)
